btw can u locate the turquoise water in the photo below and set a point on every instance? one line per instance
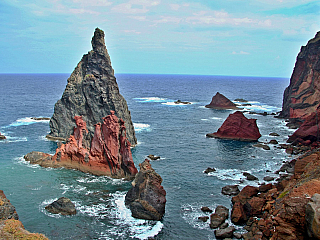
(174, 132)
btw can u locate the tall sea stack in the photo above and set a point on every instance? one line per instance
(91, 92)
(302, 96)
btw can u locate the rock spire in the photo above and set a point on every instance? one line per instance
(91, 92)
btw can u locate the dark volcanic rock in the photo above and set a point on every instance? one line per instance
(204, 218)
(230, 190)
(209, 170)
(260, 145)
(219, 101)
(219, 216)
(2, 137)
(92, 92)
(238, 127)
(147, 198)
(206, 210)
(37, 157)
(302, 96)
(153, 157)
(274, 134)
(62, 206)
(224, 233)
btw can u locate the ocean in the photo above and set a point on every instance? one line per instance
(176, 133)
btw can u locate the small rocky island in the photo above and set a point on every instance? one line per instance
(92, 92)
(219, 101)
(238, 127)
(2, 137)
(93, 119)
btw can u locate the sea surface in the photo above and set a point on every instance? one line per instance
(176, 133)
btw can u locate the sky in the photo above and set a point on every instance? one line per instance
(198, 37)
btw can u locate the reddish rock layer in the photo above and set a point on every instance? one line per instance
(280, 211)
(147, 198)
(219, 101)
(302, 96)
(309, 131)
(238, 127)
(110, 152)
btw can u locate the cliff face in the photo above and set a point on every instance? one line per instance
(302, 96)
(109, 154)
(91, 92)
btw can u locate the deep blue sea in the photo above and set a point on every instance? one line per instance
(177, 133)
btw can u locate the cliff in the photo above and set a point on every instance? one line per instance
(91, 92)
(147, 198)
(287, 210)
(238, 127)
(302, 96)
(219, 101)
(10, 226)
(109, 152)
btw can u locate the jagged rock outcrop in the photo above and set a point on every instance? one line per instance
(286, 210)
(10, 226)
(309, 131)
(109, 153)
(238, 127)
(219, 101)
(147, 198)
(302, 96)
(62, 206)
(92, 92)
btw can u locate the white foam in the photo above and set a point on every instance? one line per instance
(22, 161)
(44, 211)
(14, 139)
(228, 174)
(137, 228)
(100, 179)
(151, 99)
(172, 103)
(25, 121)
(216, 118)
(139, 127)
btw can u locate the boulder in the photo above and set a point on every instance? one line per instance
(219, 101)
(62, 206)
(109, 154)
(181, 102)
(250, 177)
(203, 219)
(238, 127)
(224, 233)
(302, 96)
(274, 134)
(206, 210)
(313, 217)
(147, 198)
(230, 190)
(219, 216)
(209, 170)
(268, 178)
(263, 146)
(91, 92)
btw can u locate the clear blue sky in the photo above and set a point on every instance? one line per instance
(211, 37)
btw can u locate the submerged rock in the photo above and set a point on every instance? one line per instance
(238, 127)
(153, 157)
(92, 92)
(109, 154)
(230, 190)
(219, 101)
(147, 198)
(181, 102)
(62, 206)
(209, 170)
